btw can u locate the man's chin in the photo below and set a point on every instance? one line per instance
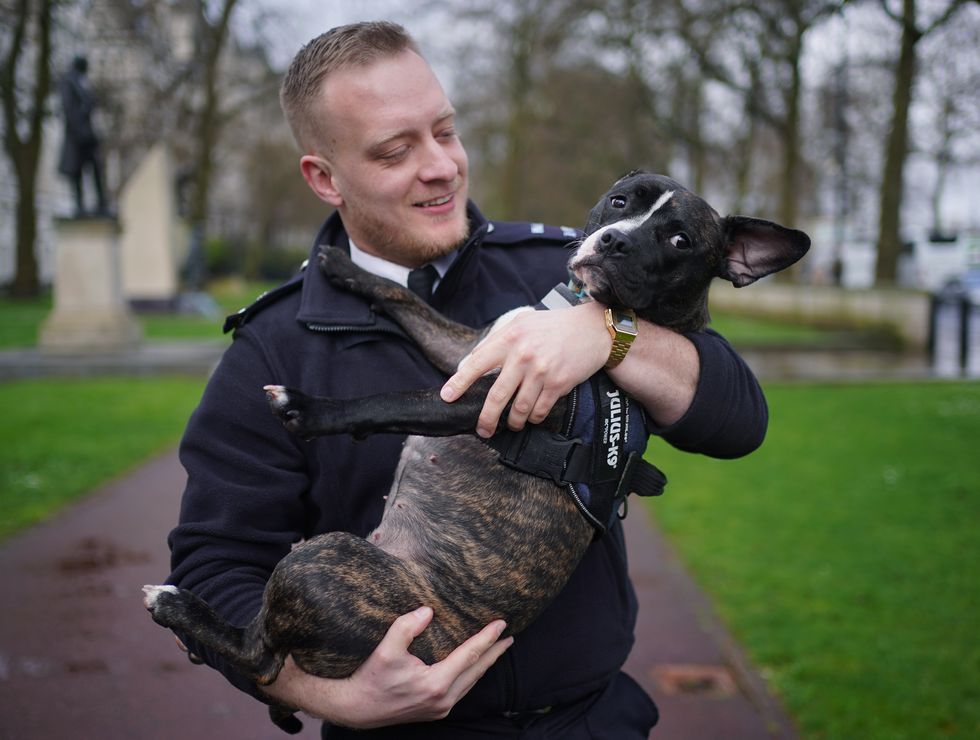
(437, 240)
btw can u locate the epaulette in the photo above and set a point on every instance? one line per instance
(236, 320)
(516, 232)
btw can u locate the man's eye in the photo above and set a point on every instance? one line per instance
(394, 154)
(617, 201)
(680, 241)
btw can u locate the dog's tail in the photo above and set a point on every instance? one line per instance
(187, 615)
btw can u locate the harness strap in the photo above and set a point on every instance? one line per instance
(640, 477)
(598, 456)
(550, 455)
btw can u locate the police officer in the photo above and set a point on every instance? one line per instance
(380, 146)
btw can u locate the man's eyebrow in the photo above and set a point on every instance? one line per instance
(379, 146)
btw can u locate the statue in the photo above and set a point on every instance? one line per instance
(80, 148)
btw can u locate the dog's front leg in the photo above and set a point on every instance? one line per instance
(420, 412)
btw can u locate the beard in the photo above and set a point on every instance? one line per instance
(403, 245)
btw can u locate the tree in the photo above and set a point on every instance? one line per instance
(212, 35)
(527, 40)
(951, 134)
(897, 145)
(768, 42)
(28, 26)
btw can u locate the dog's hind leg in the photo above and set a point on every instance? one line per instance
(186, 614)
(444, 342)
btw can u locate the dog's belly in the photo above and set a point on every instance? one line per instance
(489, 542)
(461, 533)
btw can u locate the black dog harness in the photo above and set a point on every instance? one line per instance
(598, 456)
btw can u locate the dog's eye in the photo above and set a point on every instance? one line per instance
(680, 241)
(617, 201)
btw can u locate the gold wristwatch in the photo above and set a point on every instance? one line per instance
(621, 324)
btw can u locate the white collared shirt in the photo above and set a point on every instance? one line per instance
(394, 272)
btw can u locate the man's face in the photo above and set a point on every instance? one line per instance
(397, 170)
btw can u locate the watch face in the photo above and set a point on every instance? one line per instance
(626, 321)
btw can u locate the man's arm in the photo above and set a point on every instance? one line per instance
(700, 395)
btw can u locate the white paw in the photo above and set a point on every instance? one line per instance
(277, 395)
(152, 593)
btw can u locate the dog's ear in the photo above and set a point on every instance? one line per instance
(756, 248)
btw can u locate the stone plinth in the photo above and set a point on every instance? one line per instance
(90, 314)
(153, 237)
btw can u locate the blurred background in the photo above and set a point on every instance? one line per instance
(855, 121)
(842, 555)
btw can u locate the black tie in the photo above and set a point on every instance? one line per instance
(420, 281)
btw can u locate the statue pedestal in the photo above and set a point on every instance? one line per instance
(153, 237)
(90, 314)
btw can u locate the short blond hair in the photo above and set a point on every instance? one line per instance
(354, 45)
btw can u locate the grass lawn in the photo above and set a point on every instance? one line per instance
(19, 320)
(61, 438)
(744, 331)
(844, 554)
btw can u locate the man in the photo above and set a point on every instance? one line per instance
(380, 146)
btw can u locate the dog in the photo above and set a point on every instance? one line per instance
(472, 538)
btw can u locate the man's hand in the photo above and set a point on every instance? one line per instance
(542, 355)
(393, 686)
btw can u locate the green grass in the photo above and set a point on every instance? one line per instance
(62, 438)
(845, 555)
(20, 320)
(745, 331)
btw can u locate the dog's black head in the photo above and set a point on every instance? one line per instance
(654, 246)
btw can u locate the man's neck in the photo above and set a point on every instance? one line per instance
(391, 270)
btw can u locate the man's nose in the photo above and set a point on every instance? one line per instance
(437, 163)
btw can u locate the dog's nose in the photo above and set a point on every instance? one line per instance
(613, 240)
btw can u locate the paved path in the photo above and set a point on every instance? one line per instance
(80, 658)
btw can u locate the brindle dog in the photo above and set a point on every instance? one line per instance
(473, 539)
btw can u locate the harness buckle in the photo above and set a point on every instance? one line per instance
(536, 451)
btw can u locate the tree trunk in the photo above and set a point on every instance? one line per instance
(518, 121)
(944, 158)
(208, 127)
(789, 180)
(889, 217)
(27, 282)
(24, 154)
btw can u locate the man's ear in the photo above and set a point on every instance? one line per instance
(756, 248)
(319, 176)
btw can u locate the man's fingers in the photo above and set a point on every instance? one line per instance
(546, 401)
(472, 652)
(468, 678)
(500, 393)
(525, 403)
(403, 630)
(473, 367)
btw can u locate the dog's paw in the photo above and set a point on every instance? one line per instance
(342, 273)
(340, 270)
(164, 604)
(293, 409)
(151, 595)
